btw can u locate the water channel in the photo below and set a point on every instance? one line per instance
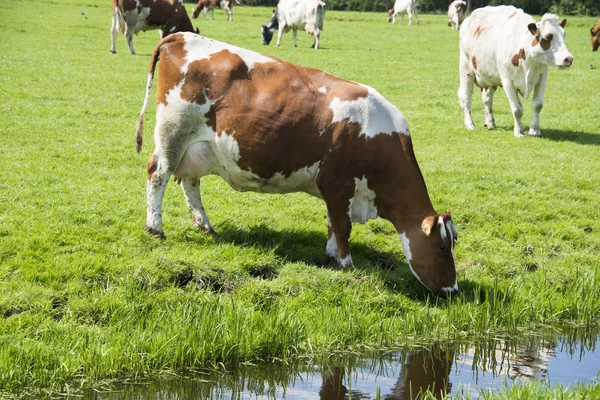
(401, 374)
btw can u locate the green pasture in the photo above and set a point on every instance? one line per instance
(87, 295)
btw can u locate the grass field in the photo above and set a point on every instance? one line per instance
(86, 294)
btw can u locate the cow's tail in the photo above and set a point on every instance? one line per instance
(139, 129)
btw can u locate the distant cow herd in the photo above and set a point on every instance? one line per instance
(339, 141)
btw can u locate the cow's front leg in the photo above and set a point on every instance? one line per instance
(230, 13)
(515, 106)
(191, 192)
(294, 33)
(212, 14)
(537, 103)
(339, 230)
(157, 179)
(487, 98)
(317, 39)
(279, 35)
(465, 90)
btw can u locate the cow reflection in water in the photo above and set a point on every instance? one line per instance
(422, 370)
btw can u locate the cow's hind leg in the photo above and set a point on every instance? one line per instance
(465, 90)
(114, 32)
(294, 33)
(191, 192)
(157, 179)
(487, 98)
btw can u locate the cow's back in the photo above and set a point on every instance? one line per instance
(292, 119)
(490, 37)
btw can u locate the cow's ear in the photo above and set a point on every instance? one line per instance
(533, 29)
(428, 224)
(563, 22)
(197, 31)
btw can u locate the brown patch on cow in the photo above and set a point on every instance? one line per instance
(151, 166)
(595, 36)
(534, 42)
(519, 56)
(212, 77)
(512, 15)
(172, 56)
(478, 31)
(545, 43)
(211, 118)
(474, 61)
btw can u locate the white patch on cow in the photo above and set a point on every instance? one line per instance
(408, 255)
(346, 261)
(362, 205)
(323, 90)
(200, 48)
(374, 113)
(228, 154)
(141, 18)
(180, 116)
(451, 289)
(331, 248)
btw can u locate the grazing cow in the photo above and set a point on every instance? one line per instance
(595, 36)
(456, 13)
(305, 15)
(132, 16)
(403, 7)
(503, 46)
(298, 129)
(210, 5)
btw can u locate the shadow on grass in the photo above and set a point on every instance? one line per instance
(570, 136)
(309, 247)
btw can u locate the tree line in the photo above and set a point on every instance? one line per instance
(536, 7)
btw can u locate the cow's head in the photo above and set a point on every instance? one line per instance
(548, 45)
(196, 10)
(390, 14)
(429, 250)
(595, 38)
(268, 29)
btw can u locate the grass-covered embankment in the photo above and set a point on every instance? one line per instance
(86, 294)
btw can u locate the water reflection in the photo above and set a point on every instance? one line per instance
(402, 374)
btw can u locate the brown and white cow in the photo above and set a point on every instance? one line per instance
(132, 16)
(503, 46)
(595, 38)
(297, 129)
(210, 5)
(456, 13)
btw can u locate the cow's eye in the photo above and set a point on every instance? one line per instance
(443, 248)
(549, 37)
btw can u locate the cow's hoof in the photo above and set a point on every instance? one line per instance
(154, 232)
(535, 133)
(113, 51)
(207, 229)
(518, 134)
(470, 126)
(490, 126)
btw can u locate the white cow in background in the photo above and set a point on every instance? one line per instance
(504, 46)
(306, 15)
(456, 13)
(403, 7)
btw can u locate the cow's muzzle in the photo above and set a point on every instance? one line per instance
(567, 62)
